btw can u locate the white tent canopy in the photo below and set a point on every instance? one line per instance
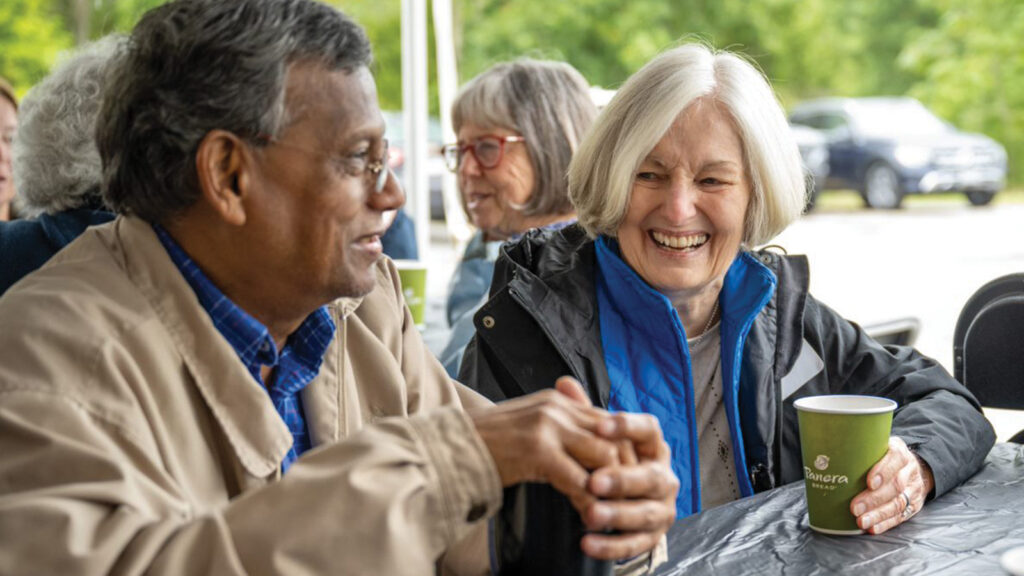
(415, 92)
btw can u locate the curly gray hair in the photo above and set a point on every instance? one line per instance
(56, 164)
(192, 66)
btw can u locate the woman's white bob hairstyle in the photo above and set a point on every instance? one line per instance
(602, 172)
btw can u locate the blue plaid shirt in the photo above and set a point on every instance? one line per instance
(293, 368)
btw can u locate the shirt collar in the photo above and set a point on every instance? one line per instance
(248, 336)
(310, 341)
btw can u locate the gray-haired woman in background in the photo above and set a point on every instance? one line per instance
(56, 163)
(518, 125)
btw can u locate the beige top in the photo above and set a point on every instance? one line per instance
(717, 468)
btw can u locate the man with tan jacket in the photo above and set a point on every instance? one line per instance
(225, 379)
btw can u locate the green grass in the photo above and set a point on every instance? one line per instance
(847, 200)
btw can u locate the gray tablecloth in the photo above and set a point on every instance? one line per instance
(963, 533)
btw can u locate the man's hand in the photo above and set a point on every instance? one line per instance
(897, 488)
(551, 436)
(637, 497)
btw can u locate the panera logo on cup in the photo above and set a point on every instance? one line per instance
(824, 481)
(821, 462)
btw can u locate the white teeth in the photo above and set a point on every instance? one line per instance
(679, 242)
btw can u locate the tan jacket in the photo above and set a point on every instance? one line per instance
(134, 441)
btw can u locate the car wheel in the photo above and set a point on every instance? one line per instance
(980, 197)
(882, 187)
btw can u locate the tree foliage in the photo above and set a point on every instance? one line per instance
(960, 57)
(971, 69)
(31, 37)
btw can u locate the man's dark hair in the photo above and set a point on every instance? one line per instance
(192, 66)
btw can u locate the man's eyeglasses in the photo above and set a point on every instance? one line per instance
(487, 150)
(355, 165)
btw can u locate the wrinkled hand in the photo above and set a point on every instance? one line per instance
(638, 496)
(551, 436)
(883, 505)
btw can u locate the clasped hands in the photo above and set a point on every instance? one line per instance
(614, 467)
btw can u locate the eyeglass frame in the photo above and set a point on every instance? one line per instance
(460, 151)
(378, 168)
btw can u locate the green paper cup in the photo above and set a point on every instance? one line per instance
(841, 438)
(414, 288)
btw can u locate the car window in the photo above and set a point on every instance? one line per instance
(905, 117)
(832, 121)
(821, 121)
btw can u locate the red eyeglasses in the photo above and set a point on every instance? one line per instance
(486, 150)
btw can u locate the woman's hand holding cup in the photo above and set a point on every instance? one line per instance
(897, 488)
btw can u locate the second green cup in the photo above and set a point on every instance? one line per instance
(841, 438)
(414, 288)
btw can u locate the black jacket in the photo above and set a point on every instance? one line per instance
(541, 323)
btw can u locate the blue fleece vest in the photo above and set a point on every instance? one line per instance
(648, 360)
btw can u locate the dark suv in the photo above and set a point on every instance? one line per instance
(889, 147)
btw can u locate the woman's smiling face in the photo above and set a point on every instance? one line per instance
(685, 221)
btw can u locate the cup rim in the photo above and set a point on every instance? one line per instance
(869, 404)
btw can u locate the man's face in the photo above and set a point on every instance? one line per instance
(316, 216)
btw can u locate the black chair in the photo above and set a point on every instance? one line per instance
(988, 345)
(899, 332)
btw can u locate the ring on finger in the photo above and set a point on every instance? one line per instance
(906, 499)
(908, 508)
(907, 513)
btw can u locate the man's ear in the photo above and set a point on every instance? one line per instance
(223, 165)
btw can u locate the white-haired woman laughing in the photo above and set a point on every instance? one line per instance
(659, 302)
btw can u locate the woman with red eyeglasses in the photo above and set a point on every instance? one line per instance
(518, 125)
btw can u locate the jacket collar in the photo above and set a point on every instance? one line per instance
(556, 262)
(242, 408)
(564, 262)
(552, 273)
(321, 400)
(794, 274)
(747, 287)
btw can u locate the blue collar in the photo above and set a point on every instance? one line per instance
(248, 336)
(648, 360)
